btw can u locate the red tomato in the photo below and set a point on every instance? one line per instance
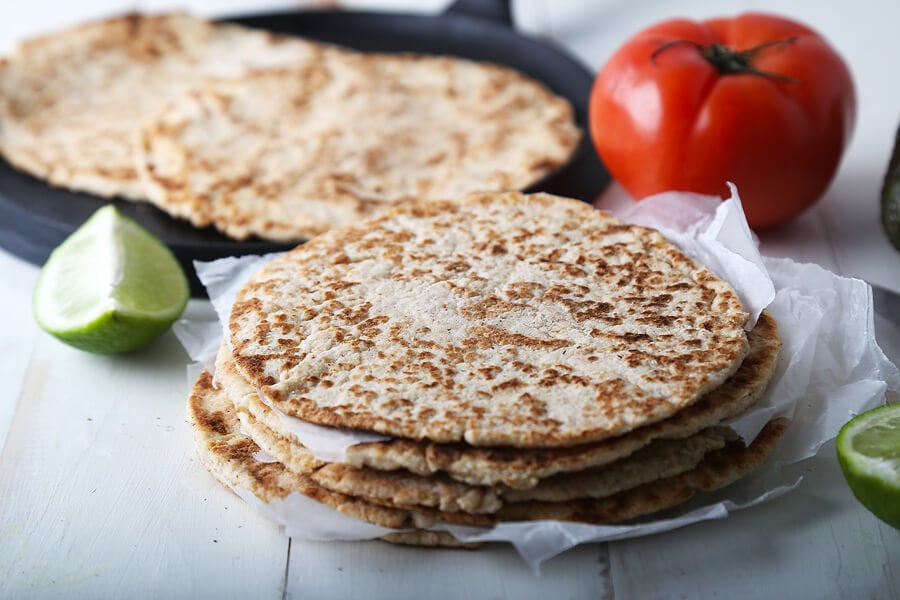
(758, 100)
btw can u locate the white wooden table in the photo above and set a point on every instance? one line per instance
(101, 495)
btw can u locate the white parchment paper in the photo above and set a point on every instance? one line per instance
(830, 369)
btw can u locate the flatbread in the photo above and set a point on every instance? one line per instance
(717, 470)
(400, 488)
(71, 102)
(660, 459)
(515, 467)
(501, 319)
(290, 153)
(264, 134)
(230, 456)
(429, 539)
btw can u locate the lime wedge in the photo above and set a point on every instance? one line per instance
(868, 449)
(111, 286)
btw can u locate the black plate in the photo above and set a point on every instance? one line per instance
(35, 218)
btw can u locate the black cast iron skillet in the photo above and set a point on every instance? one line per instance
(35, 218)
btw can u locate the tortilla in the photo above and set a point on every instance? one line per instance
(231, 457)
(287, 154)
(71, 102)
(264, 134)
(519, 468)
(500, 319)
(661, 459)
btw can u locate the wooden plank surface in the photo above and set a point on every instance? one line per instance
(380, 571)
(815, 542)
(17, 333)
(103, 496)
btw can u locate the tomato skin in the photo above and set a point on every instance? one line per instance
(675, 122)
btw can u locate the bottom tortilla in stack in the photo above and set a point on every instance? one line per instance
(527, 357)
(234, 459)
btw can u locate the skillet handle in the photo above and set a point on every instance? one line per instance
(490, 10)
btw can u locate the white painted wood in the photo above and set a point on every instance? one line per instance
(816, 542)
(380, 571)
(102, 495)
(17, 333)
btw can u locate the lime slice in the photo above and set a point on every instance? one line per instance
(868, 449)
(111, 286)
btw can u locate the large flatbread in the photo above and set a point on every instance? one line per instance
(500, 319)
(658, 460)
(520, 468)
(288, 154)
(264, 134)
(71, 102)
(231, 458)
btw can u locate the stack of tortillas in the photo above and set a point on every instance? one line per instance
(268, 135)
(526, 357)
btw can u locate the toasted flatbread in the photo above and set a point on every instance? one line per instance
(717, 470)
(520, 468)
(230, 456)
(420, 537)
(71, 102)
(660, 459)
(287, 154)
(500, 319)
(264, 134)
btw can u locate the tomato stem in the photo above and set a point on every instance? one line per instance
(729, 61)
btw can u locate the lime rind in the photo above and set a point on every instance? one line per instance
(114, 333)
(868, 449)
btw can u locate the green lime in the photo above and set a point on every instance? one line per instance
(111, 286)
(868, 449)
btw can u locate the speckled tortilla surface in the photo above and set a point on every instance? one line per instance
(499, 319)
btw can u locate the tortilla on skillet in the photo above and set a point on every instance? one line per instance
(71, 102)
(499, 319)
(287, 154)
